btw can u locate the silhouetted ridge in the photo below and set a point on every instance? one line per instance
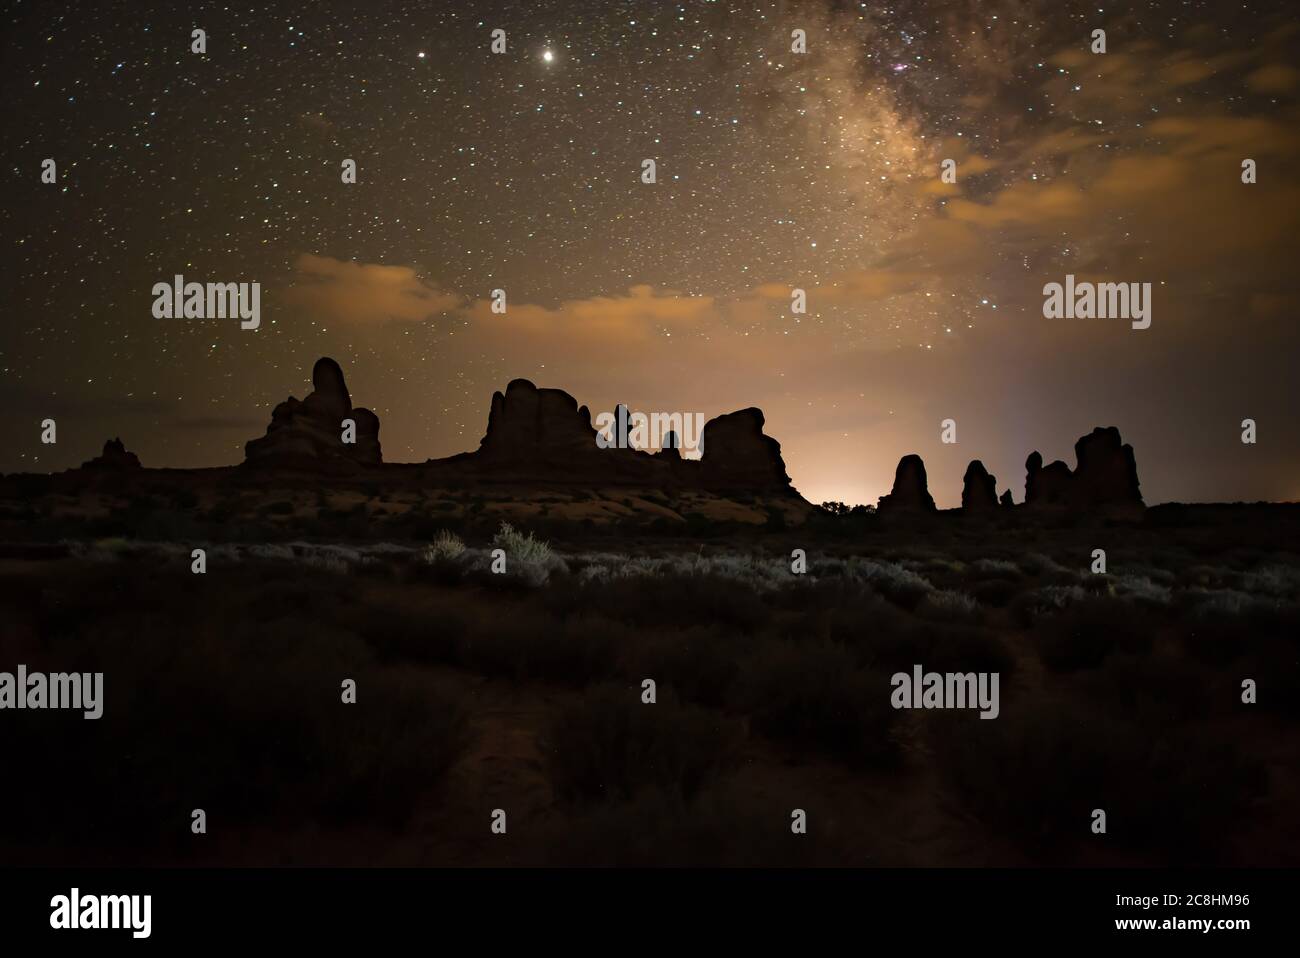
(541, 435)
(114, 456)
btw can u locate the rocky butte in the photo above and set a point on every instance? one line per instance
(1104, 481)
(115, 456)
(540, 441)
(979, 491)
(911, 492)
(1105, 476)
(310, 433)
(535, 436)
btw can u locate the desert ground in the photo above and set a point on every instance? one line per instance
(522, 690)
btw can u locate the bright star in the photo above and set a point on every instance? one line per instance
(548, 56)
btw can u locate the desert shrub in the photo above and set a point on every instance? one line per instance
(700, 664)
(947, 648)
(678, 599)
(896, 583)
(610, 745)
(446, 545)
(1084, 634)
(530, 563)
(271, 550)
(727, 824)
(995, 568)
(1038, 563)
(817, 696)
(996, 593)
(407, 734)
(1280, 581)
(520, 546)
(521, 645)
(565, 595)
(1224, 604)
(334, 565)
(1261, 641)
(442, 557)
(821, 594)
(1098, 584)
(410, 634)
(243, 719)
(948, 605)
(1143, 591)
(1156, 574)
(1204, 576)
(583, 649)
(1153, 689)
(281, 594)
(1029, 607)
(1037, 772)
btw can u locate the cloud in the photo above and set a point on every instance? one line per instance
(365, 294)
(1130, 171)
(595, 325)
(1273, 78)
(1023, 203)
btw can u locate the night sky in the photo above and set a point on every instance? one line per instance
(776, 170)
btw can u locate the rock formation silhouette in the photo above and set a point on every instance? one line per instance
(542, 435)
(537, 427)
(738, 456)
(911, 492)
(622, 429)
(671, 447)
(1105, 475)
(310, 432)
(979, 491)
(1046, 485)
(540, 438)
(114, 456)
